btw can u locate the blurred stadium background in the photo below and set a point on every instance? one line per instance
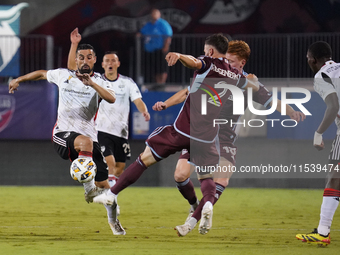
(278, 32)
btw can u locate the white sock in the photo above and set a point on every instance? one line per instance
(111, 213)
(192, 222)
(88, 186)
(328, 208)
(112, 180)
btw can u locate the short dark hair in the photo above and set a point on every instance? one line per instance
(86, 47)
(219, 41)
(320, 50)
(111, 52)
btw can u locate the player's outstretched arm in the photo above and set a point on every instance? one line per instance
(107, 95)
(187, 60)
(34, 76)
(75, 38)
(177, 98)
(141, 106)
(252, 82)
(294, 115)
(332, 103)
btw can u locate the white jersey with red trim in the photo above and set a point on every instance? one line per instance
(114, 118)
(78, 103)
(327, 81)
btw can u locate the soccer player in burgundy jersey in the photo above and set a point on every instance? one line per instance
(237, 55)
(191, 128)
(326, 84)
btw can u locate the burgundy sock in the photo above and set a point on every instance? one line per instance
(219, 191)
(187, 190)
(208, 189)
(129, 176)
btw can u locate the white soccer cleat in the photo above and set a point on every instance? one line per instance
(183, 230)
(117, 228)
(105, 199)
(206, 219)
(93, 193)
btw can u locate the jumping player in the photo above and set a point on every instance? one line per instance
(326, 84)
(74, 134)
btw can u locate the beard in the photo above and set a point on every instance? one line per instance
(83, 70)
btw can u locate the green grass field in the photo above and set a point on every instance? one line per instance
(57, 220)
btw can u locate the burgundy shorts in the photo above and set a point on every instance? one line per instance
(165, 140)
(228, 151)
(184, 154)
(204, 154)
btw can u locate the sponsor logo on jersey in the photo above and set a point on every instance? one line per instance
(67, 135)
(7, 107)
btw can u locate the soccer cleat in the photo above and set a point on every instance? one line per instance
(117, 228)
(314, 238)
(206, 219)
(105, 199)
(183, 230)
(192, 209)
(93, 193)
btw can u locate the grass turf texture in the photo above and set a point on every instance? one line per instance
(57, 220)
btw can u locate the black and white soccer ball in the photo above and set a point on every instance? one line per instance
(83, 170)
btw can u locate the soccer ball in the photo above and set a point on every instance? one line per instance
(83, 170)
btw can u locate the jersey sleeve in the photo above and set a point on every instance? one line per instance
(263, 96)
(134, 91)
(323, 87)
(206, 63)
(53, 76)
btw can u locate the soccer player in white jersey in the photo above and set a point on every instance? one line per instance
(327, 85)
(112, 121)
(74, 134)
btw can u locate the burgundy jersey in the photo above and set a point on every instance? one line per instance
(191, 122)
(227, 131)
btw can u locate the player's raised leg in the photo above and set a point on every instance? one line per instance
(130, 176)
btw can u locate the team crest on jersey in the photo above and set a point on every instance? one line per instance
(185, 151)
(102, 148)
(67, 135)
(68, 79)
(7, 107)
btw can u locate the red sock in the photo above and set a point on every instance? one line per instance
(85, 154)
(331, 193)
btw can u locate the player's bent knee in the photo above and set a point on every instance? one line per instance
(181, 176)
